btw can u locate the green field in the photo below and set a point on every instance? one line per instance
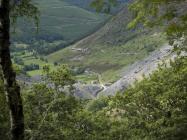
(28, 57)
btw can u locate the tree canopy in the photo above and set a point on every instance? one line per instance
(168, 14)
(24, 9)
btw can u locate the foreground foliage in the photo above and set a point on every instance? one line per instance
(154, 108)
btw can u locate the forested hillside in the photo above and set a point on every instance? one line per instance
(60, 22)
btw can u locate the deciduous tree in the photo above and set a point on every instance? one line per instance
(14, 9)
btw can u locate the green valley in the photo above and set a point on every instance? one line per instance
(111, 48)
(108, 60)
(93, 69)
(105, 52)
(59, 21)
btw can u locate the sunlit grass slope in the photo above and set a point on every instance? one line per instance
(111, 48)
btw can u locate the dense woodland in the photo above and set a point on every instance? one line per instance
(151, 109)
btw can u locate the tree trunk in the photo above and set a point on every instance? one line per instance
(12, 89)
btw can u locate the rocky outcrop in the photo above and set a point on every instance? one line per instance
(87, 91)
(138, 69)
